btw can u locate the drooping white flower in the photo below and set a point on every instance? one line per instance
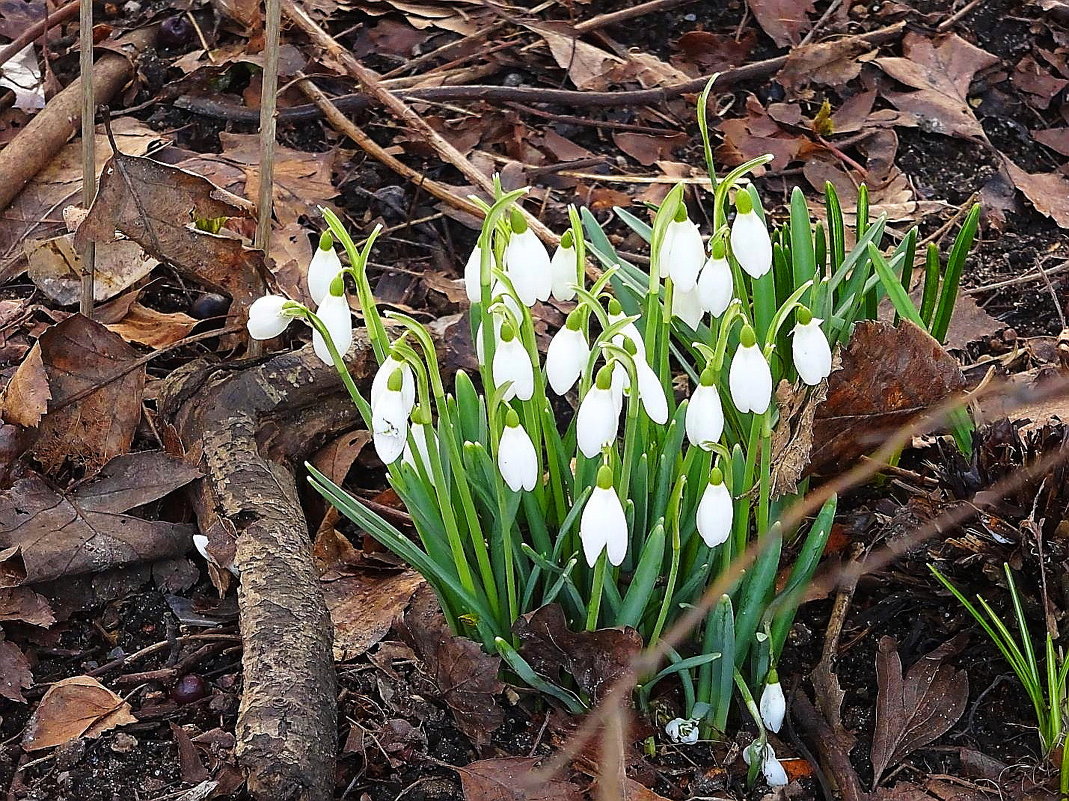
(603, 525)
(267, 317)
(473, 275)
(512, 363)
(629, 331)
(705, 414)
(750, 379)
(687, 306)
(682, 251)
(382, 378)
(527, 263)
(621, 383)
(715, 284)
(423, 436)
(567, 355)
(651, 393)
(810, 348)
(750, 243)
(771, 769)
(598, 420)
(389, 420)
(516, 456)
(715, 511)
(323, 268)
(564, 268)
(334, 313)
(773, 704)
(682, 730)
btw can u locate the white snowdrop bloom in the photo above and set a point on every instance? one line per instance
(389, 420)
(629, 331)
(323, 268)
(810, 348)
(651, 393)
(382, 378)
(567, 355)
(334, 313)
(512, 363)
(750, 379)
(621, 383)
(682, 730)
(715, 284)
(598, 420)
(773, 704)
(771, 769)
(715, 511)
(516, 456)
(564, 268)
(682, 251)
(268, 317)
(705, 414)
(473, 275)
(527, 263)
(750, 243)
(424, 438)
(687, 306)
(603, 526)
(480, 346)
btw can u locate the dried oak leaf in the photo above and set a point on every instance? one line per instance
(785, 21)
(81, 386)
(156, 329)
(76, 707)
(594, 659)
(512, 779)
(586, 64)
(834, 63)
(363, 605)
(25, 605)
(1057, 139)
(1048, 192)
(647, 150)
(56, 268)
(888, 375)
(15, 675)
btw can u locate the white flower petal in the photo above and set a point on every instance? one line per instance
(715, 286)
(564, 271)
(603, 525)
(516, 459)
(773, 706)
(382, 379)
(338, 320)
(715, 514)
(322, 271)
(750, 380)
(511, 363)
(811, 352)
(389, 426)
(596, 422)
(567, 356)
(687, 306)
(682, 254)
(705, 417)
(629, 331)
(473, 274)
(651, 393)
(527, 265)
(682, 730)
(424, 438)
(266, 320)
(750, 244)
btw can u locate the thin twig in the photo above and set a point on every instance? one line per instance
(268, 101)
(624, 14)
(957, 15)
(1021, 279)
(89, 161)
(820, 23)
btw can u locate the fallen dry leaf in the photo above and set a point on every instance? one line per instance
(792, 439)
(26, 606)
(785, 21)
(704, 52)
(1057, 139)
(15, 674)
(831, 63)
(512, 779)
(647, 150)
(76, 707)
(364, 605)
(586, 64)
(915, 708)
(56, 268)
(1048, 192)
(155, 329)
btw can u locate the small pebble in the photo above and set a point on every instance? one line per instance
(210, 304)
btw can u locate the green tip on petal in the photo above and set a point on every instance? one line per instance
(394, 382)
(604, 477)
(720, 250)
(326, 241)
(512, 420)
(508, 333)
(708, 378)
(716, 476)
(747, 338)
(337, 286)
(773, 677)
(614, 307)
(630, 346)
(604, 378)
(574, 321)
(681, 213)
(803, 315)
(568, 240)
(519, 224)
(421, 416)
(743, 202)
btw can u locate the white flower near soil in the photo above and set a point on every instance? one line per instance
(382, 378)
(423, 436)
(516, 456)
(773, 705)
(750, 379)
(682, 251)
(268, 317)
(687, 306)
(567, 355)
(603, 525)
(473, 275)
(716, 511)
(771, 769)
(750, 243)
(810, 348)
(512, 363)
(336, 317)
(651, 393)
(704, 422)
(716, 286)
(564, 268)
(527, 263)
(598, 420)
(683, 731)
(389, 420)
(323, 269)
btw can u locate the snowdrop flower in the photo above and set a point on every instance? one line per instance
(423, 437)
(564, 268)
(323, 268)
(682, 730)
(715, 284)
(651, 393)
(382, 378)
(512, 363)
(516, 457)
(687, 306)
(629, 331)
(705, 414)
(527, 263)
(334, 313)
(750, 379)
(812, 354)
(598, 419)
(473, 275)
(715, 510)
(682, 251)
(268, 316)
(771, 768)
(773, 705)
(567, 355)
(603, 526)
(389, 420)
(200, 542)
(750, 243)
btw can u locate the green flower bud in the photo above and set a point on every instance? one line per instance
(747, 338)
(743, 202)
(326, 241)
(519, 222)
(605, 477)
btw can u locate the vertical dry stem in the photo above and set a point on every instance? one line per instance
(89, 172)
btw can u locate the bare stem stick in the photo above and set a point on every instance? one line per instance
(89, 171)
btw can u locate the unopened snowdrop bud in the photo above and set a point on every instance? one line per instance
(598, 419)
(750, 243)
(512, 363)
(382, 377)
(325, 265)
(516, 457)
(423, 438)
(527, 263)
(812, 353)
(603, 526)
(705, 414)
(334, 313)
(567, 355)
(682, 730)
(715, 284)
(564, 268)
(750, 379)
(682, 251)
(773, 705)
(473, 275)
(771, 769)
(651, 393)
(268, 316)
(687, 306)
(389, 420)
(629, 331)
(715, 510)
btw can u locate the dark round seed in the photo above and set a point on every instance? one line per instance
(175, 32)
(210, 304)
(190, 688)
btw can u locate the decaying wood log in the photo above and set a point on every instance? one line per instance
(250, 428)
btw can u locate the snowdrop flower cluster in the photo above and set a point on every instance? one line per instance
(682, 730)
(771, 768)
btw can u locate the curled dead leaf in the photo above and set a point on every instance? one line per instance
(76, 707)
